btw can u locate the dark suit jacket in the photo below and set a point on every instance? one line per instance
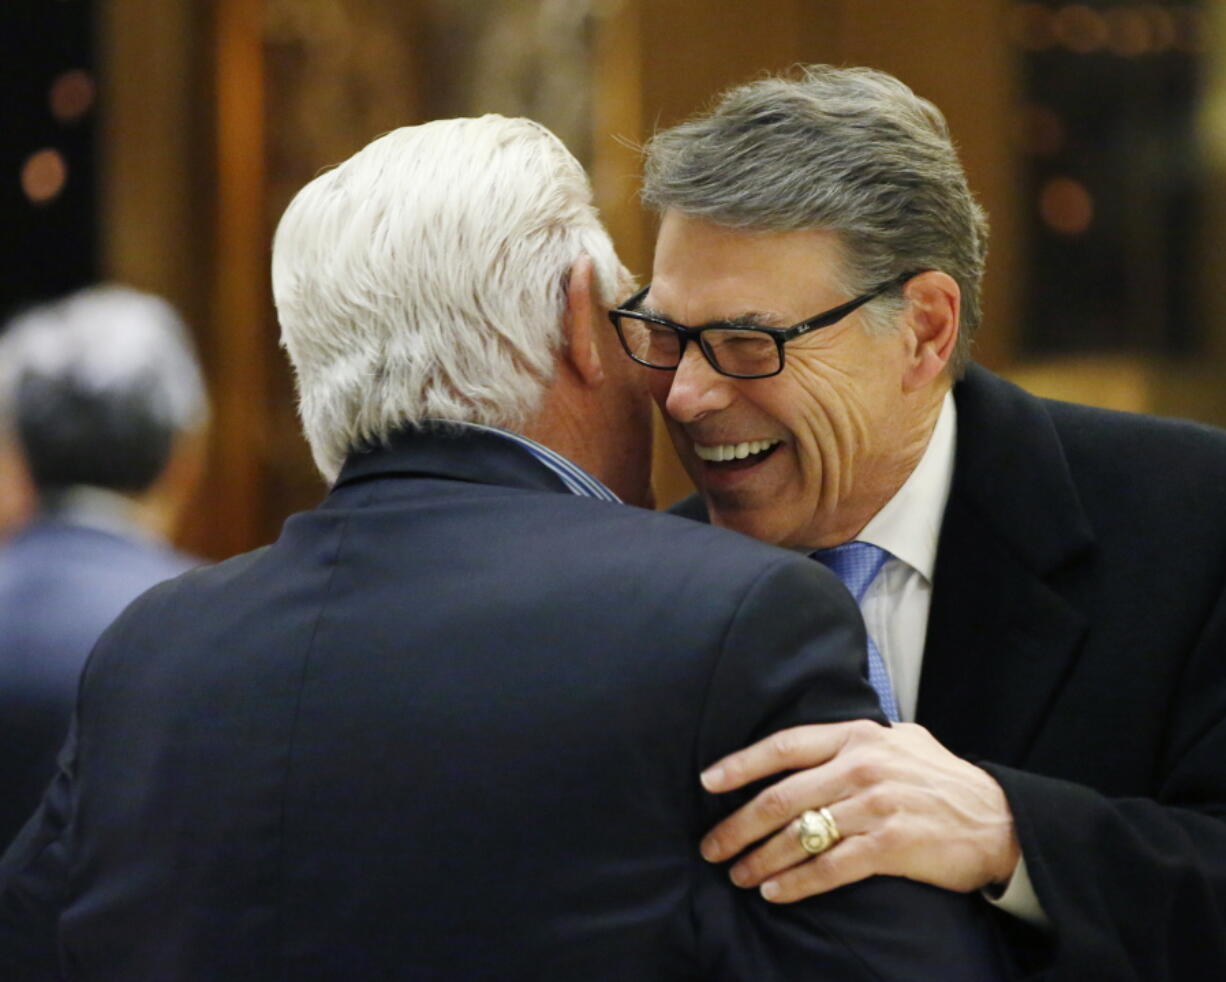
(61, 584)
(1077, 648)
(1078, 641)
(449, 727)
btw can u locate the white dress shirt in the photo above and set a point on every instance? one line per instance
(895, 606)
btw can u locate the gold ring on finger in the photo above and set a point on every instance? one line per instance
(817, 831)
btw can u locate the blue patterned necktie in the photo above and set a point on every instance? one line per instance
(857, 565)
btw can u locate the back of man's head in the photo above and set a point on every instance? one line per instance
(424, 279)
(851, 150)
(98, 387)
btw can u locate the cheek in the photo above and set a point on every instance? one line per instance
(828, 400)
(799, 407)
(824, 429)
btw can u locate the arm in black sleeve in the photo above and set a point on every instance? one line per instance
(33, 877)
(794, 654)
(1135, 888)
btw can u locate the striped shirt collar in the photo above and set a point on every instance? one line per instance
(575, 478)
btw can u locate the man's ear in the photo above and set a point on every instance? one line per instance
(580, 324)
(934, 302)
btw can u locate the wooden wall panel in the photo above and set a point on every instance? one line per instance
(240, 335)
(956, 54)
(158, 188)
(193, 185)
(150, 148)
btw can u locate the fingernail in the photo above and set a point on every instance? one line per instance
(769, 890)
(710, 850)
(738, 875)
(712, 777)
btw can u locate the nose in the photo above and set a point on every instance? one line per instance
(697, 389)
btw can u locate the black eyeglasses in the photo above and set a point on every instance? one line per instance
(732, 350)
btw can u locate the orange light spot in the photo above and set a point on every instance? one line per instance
(72, 95)
(43, 175)
(1130, 34)
(1080, 29)
(1066, 206)
(1030, 27)
(1161, 26)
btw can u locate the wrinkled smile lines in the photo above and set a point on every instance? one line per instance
(732, 451)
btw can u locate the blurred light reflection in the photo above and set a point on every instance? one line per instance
(1080, 29)
(71, 96)
(43, 175)
(1066, 206)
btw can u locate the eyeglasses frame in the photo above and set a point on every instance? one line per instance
(780, 335)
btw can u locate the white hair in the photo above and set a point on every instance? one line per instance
(110, 339)
(424, 279)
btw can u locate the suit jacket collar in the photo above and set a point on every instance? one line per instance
(1010, 466)
(454, 453)
(1003, 630)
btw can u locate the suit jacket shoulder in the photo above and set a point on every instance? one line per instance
(453, 682)
(1074, 647)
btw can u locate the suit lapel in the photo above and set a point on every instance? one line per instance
(1003, 630)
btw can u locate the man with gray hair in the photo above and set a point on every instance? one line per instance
(1059, 735)
(449, 725)
(106, 403)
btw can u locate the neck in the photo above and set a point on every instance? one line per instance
(126, 514)
(562, 432)
(577, 424)
(559, 426)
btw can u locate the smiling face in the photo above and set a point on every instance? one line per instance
(804, 458)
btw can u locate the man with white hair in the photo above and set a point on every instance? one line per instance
(107, 405)
(449, 725)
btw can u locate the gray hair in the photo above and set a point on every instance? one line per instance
(97, 387)
(850, 150)
(425, 279)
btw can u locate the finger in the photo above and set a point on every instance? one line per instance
(783, 850)
(800, 746)
(850, 860)
(774, 807)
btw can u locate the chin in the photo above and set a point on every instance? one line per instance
(747, 521)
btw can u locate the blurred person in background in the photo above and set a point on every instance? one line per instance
(1043, 583)
(449, 725)
(105, 401)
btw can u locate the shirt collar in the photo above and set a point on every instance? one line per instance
(577, 480)
(910, 523)
(97, 508)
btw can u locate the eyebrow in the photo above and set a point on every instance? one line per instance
(752, 319)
